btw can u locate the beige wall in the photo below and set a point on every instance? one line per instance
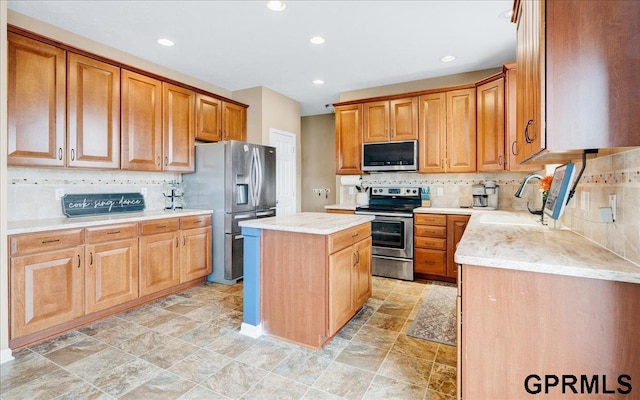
(318, 166)
(423, 84)
(271, 110)
(5, 353)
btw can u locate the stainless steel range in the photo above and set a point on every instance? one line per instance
(392, 230)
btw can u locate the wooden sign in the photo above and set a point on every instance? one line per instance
(80, 205)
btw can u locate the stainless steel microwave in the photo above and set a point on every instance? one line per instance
(390, 156)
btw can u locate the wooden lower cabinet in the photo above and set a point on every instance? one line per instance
(435, 240)
(311, 285)
(46, 289)
(514, 324)
(111, 274)
(64, 279)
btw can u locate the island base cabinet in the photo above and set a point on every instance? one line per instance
(515, 324)
(47, 290)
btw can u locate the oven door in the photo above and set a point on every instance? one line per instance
(392, 236)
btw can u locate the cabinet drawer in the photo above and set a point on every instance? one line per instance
(432, 262)
(110, 232)
(159, 226)
(430, 219)
(45, 241)
(342, 239)
(430, 243)
(196, 221)
(431, 231)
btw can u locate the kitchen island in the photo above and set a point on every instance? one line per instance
(305, 275)
(544, 310)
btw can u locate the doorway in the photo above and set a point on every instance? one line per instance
(285, 144)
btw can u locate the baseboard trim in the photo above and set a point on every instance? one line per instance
(251, 330)
(5, 356)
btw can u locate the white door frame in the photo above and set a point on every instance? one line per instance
(292, 171)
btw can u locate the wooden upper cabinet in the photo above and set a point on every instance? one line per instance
(208, 122)
(234, 122)
(348, 120)
(461, 130)
(490, 126)
(93, 113)
(432, 133)
(178, 128)
(511, 134)
(391, 120)
(141, 122)
(36, 103)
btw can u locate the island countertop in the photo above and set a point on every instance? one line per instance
(508, 240)
(309, 222)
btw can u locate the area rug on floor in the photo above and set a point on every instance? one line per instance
(436, 319)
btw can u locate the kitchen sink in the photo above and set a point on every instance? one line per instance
(502, 219)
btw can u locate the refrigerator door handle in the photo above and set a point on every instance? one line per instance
(243, 216)
(260, 177)
(253, 175)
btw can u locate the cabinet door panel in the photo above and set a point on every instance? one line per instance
(46, 290)
(111, 274)
(404, 119)
(362, 273)
(456, 224)
(178, 129)
(35, 103)
(432, 133)
(195, 254)
(341, 299)
(461, 130)
(208, 116)
(234, 122)
(141, 122)
(490, 126)
(432, 262)
(349, 139)
(93, 105)
(159, 262)
(376, 121)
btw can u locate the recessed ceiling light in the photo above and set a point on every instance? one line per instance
(447, 58)
(276, 5)
(318, 82)
(317, 40)
(166, 42)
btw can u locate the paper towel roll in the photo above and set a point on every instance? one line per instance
(350, 180)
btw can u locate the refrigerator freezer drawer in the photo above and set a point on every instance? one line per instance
(233, 256)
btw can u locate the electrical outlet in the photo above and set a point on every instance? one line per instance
(439, 191)
(612, 205)
(143, 191)
(584, 201)
(59, 194)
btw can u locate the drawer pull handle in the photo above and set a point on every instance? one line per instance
(161, 226)
(50, 241)
(113, 233)
(354, 234)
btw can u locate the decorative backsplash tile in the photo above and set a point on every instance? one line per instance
(617, 174)
(31, 191)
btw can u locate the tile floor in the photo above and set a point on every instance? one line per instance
(187, 346)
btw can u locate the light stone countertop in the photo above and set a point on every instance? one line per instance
(538, 248)
(341, 207)
(49, 224)
(309, 222)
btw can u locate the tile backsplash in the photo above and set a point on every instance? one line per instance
(617, 174)
(31, 191)
(456, 188)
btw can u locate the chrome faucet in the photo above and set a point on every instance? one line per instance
(524, 184)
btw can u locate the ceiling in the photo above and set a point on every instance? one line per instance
(242, 44)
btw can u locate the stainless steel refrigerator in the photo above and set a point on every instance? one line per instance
(238, 181)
